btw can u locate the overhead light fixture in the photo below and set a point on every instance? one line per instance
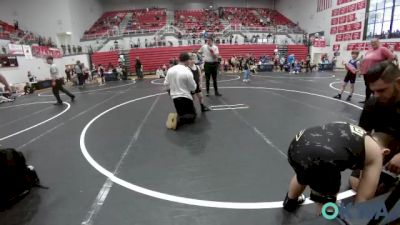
(68, 32)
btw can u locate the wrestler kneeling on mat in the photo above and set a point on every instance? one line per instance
(180, 83)
(319, 154)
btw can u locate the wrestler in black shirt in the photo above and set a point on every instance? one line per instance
(319, 154)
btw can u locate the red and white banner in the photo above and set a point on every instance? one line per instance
(44, 51)
(319, 43)
(336, 47)
(334, 30)
(323, 5)
(340, 2)
(365, 46)
(349, 8)
(15, 49)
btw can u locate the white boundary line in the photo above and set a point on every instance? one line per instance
(218, 106)
(229, 108)
(219, 81)
(341, 82)
(287, 77)
(43, 122)
(89, 91)
(191, 201)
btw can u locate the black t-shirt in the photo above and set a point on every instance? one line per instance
(381, 118)
(337, 145)
(196, 75)
(138, 64)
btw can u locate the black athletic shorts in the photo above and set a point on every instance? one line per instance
(320, 176)
(350, 77)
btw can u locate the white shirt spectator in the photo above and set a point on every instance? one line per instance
(54, 73)
(180, 82)
(206, 50)
(160, 73)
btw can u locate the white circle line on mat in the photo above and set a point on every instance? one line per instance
(89, 91)
(38, 124)
(237, 77)
(340, 82)
(185, 200)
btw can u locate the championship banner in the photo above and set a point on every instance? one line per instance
(334, 30)
(356, 36)
(336, 47)
(15, 49)
(319, 43)
(339, 37)
(334, 21)
(44, 51)
(342, 19)
(27, 51)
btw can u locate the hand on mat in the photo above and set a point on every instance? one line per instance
(394, 164)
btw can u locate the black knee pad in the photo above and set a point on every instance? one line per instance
(322, 198)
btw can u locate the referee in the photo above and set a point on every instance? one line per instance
(57, 82)
(210, 53)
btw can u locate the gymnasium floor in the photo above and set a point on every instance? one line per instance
(230, 167)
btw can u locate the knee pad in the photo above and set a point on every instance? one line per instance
(322, 198)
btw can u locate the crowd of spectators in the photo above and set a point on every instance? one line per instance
(146, 19)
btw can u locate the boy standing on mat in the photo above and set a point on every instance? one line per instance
(198, 78)
(180, 83)
(57, 82)
(352, 69)
(319, 154)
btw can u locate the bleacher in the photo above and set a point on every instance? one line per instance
(300, 51)
(152, 58)
(147, 19)
(196, 21)
(105, 58)
(108, 21)
(242, 16)
(6, 30)
(276, 17)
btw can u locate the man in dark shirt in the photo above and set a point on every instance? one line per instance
(139, 71)
(381, 113)
(319, 154)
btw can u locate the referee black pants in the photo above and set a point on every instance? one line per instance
(59, 87)
(211, 70)
(368, 91)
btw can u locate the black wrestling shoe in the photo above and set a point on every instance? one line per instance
(348, 98)
(218, 94)
(58, 103)
(207, 94)
(292, 204)
(362, 102)
(72, 98)
(338, 96)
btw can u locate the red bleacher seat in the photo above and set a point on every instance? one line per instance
(299, 51)
(105, 58)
